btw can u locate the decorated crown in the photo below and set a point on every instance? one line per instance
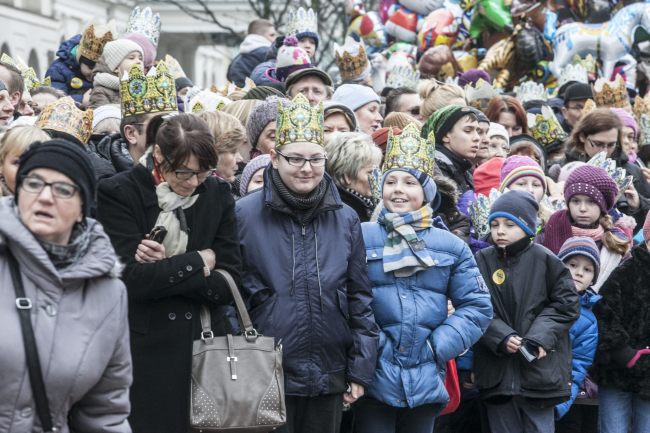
(403, 76)
(571, 72)
(206, 100)
(480, 94)
(299, 122)
(302, 21)
(28, 73)
(174, 68)
(144, 22)
(589, 63)
(642, 112)
(64, 116)
(351, 59)
(479, 212)
(410, 150)
(611, 93)
(545, 128)
(618, 174)
(229, 88)
(153, 93)
(531, 91)
(94, 38)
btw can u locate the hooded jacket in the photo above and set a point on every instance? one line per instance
(315, 284)
(252, 51)
(106, 87)
(81, 329)
(65, 72)
(115, 150)
(454, 220)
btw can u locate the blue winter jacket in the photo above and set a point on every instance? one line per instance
(66, 68)
(416, 337)
(584, 340)
(314, 282)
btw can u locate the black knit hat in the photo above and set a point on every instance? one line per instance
(577, 92)
(519, 207)
(66, 158)
(262, 92)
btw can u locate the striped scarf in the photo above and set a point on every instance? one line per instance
(404, 252)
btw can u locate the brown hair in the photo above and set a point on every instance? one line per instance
(136, 121)
(610, 240)
(227, 131)
(258, 26)
(507, 104)
(598, 120)
(181, 136)
(16, 82)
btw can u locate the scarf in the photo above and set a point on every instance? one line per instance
(63, 256)
(304, 206)
(105, 79)
(609, 261)
(404, 253)
(595, 234)
(370, 203)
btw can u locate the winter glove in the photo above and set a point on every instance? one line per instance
(635, 358)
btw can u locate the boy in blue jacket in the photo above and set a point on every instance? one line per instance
(581, 256)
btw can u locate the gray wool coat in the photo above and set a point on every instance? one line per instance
(81, 327)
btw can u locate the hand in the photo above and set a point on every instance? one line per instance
(356, 392)
(85, 101)
(209, 259)
(542, 353)
(646, 173)
(513, 344)
(450, 308)
(632, 197)
(149, 252)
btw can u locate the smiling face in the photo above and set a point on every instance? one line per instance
(48, 217)
(584, 210)
(369, 118)
(464, 139)
(504, 232)
(132, 59)
(300, 180)
(402, 192)
(582, 270)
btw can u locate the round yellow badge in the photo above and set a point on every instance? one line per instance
(499, 276)
(76, 83)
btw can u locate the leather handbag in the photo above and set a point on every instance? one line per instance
(237, 381)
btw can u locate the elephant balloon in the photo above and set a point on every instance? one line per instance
(422, 7)
(609, 41)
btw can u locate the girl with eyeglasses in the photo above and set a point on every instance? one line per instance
(169, 279)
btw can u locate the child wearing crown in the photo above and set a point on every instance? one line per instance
(117, 59)
(415, 264)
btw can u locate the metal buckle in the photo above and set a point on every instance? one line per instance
(207, 335)
(23, 303)
(251, 335)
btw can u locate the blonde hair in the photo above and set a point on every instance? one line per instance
(227, 131)
(16, 140)
(436, 95)
(610, 240)
(347, 153)
(241, 109)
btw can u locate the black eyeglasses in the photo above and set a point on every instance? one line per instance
(601, 145)
(299, 161)
(185, 175)
(62, 190)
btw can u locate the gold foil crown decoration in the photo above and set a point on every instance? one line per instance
(153, 93)
(206, 100)
(64, 116)
(545, 127)
(611, 93)
(94, 38)
(145, 22)
(351, 59)
(409, 150)
(299, 122)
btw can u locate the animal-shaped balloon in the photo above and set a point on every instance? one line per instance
(403, 24)
(438, 28)
(370, 28)
(435, 58)
(499, 61)
(422, 7)
(609, 41)
(490, 15)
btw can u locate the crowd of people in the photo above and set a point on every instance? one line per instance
(437, 244)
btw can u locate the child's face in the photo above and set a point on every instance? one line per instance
(402, 192)
(497, 147)
(584, 210)
(505, 232)
(133, 58)
(582, 271)
(529, 184)
(86, 71)
(309, 45)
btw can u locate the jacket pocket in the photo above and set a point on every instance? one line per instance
(343, 303)
(488, 369)
(262, 315)
(546, 374)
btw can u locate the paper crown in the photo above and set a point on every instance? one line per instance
(299, 122)
(94, 38)
(531, 91)
(351, 59)
(618, 174)
(302, 21)
(64, 116)
(206, 100)
(28, 73)
(641, 111)
(229, 88)
(479, 95)
(174, 68)
(589, 63)
(410, 150)
(545, 127)
(611, 93)
(479, 212)
(403, 76)
(571, 72)
(144, 22)
(153, 93)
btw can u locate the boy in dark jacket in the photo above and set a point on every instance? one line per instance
(523, 362)
(252, 51)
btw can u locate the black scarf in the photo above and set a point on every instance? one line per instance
(63, 256)
(303, 206)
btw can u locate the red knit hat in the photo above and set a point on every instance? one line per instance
(380, 137)
(593, 182)
(488, 176)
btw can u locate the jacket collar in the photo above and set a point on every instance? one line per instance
(514, 249)
(459, 163)
(589, 298)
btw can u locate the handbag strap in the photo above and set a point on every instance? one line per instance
(24, 306)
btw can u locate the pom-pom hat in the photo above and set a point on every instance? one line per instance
(593, 182)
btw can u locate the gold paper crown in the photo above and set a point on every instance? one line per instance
(589, 63)
(611, 93)
(64, 116)
(409, 150)
(229, 88)
(174, 68)
(351, 59)
(92, 42)
(299, 122)
(153, 93)
(545, 127)
(28, 73)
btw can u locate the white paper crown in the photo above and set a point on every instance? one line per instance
(479, 212)
(145, 22)
(302, 21)
(403, 76)
(481, 90)
(531, 91)
(618, 174)
(571, 72)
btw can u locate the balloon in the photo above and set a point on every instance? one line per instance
(354, 8)
(438, 28)
(370, 28)
(402, 47)
(530, 47)
(402, 24)
(490, 14)
(422, 7)
(466, 59)
(383, 9)
(435, 58)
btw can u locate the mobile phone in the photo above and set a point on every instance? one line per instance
(526, 351)
(157, 234)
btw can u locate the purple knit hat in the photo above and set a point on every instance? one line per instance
(472, 76)
(148, 48)
(250, 170)
(627, 119)
(593, 182)
(518, 166)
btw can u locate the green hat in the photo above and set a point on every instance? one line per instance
(444, 119)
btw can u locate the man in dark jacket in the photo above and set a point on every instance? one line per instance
(306, 278)
(252, 51)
